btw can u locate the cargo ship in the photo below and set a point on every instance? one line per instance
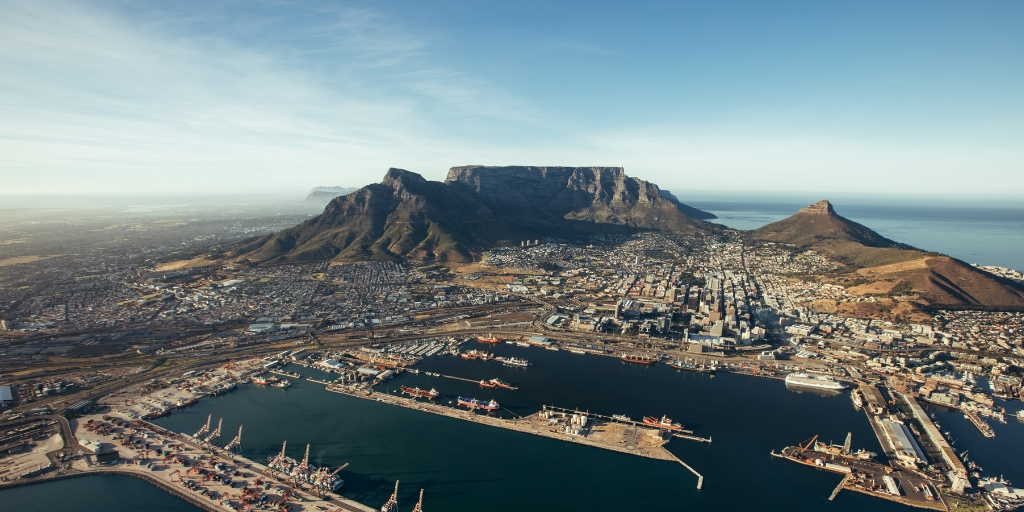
(814, 381)
(419, 393)
(473, 403)
(519, 363)
(638, 359)
(488, 339)
(684, 365)
(664, 422)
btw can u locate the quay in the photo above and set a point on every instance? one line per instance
(616, 436)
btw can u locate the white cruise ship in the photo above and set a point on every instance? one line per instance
(814, 381)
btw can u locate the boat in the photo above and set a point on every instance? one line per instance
(664, 422)
(283, 384)
(476, 354)
(496, 382)
(473, 403)
(858, 399)
(186, 403)
(1020, 415)
(488, 339)
(264, 381)
(638, 359)
(487, 384)
(621, 417)
(519, 363)
(814, 381)
(684, 365)
(419, 393)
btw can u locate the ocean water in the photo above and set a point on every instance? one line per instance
(470, 467)
(974, 232)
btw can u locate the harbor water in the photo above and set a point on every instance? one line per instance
(469, 467)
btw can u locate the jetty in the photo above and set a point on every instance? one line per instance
(629, 437)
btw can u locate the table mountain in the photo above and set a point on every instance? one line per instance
(473, 210)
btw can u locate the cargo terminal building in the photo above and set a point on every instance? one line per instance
(902, 443)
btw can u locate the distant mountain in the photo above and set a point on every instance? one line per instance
(324, 195)
(819, 223)
(875, 264)
(473, 210)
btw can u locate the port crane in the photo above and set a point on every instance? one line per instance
(215, 435)
(392, 504)
(808, 445)
(419, 504)
(236, 442)
(205, 428)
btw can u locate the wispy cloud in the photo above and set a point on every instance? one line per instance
(111, 102)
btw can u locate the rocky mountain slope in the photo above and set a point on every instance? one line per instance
(876, 265)
(474, 209)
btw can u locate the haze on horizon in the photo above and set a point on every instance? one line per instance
(111, 97)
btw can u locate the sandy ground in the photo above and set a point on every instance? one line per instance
(14, 465)
(25, 259)
(182, 264)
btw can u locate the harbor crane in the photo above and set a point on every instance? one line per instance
(419, 504)
(808, 445)
(215, 435)
(205, 429)
(236, 442)
(392, 504)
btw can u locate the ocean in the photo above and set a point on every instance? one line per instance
(465, 466)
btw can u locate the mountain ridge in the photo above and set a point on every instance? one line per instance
(476, 208)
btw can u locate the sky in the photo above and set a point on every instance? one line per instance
(213, 97)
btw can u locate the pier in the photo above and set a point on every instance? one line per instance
(632, 438)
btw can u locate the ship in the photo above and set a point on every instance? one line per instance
(476, 354)
(419, 393)
(487, 384)
(283, 384)
(512, 361)
(664, 422)
(473, 403)
(638, 359)
(1020, 415)
(488, 339)
(501, 384)
(186, 403)
(684, 365)
(814, 381)
(621, 417)
(858, 399)
(264, 381)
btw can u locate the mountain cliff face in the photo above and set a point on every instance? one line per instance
(406, 216)
(595, 194)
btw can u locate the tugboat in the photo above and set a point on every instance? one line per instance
(638, 359)
(664, 422)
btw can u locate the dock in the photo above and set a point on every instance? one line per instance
(631, 438)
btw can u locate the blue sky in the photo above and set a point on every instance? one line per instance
(183, 97)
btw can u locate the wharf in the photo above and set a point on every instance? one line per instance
(865, 476)
(615, 436)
